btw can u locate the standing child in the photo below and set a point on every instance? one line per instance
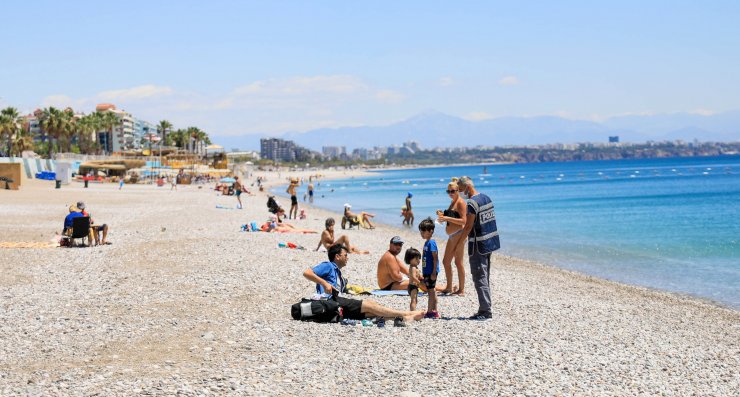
(430, 265)
(412, 258)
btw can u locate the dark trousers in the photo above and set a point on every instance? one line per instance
(480, 268)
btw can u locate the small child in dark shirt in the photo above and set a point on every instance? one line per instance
(413, 258)
(430, 265)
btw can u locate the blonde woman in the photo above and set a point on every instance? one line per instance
(454, 216)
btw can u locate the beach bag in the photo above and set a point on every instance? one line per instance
(319, 311)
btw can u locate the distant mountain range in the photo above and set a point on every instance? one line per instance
(435, 129)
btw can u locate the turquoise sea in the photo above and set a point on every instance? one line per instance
(671, 224)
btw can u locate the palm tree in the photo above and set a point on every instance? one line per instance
(21, 143)
(163, 127)
(87, 127)
(53, 122)
(108, 121)
(9, 125)
(179, 137)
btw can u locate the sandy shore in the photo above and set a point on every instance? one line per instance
(183, 303)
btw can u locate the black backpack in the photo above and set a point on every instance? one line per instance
(319, 311)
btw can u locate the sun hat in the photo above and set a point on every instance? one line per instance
(410, 195)
(81, 205)
(72, 208)
(397, 240)
(346, 205)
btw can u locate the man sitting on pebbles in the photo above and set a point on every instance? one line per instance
(327, 239)
(328, 278)
(392, 274)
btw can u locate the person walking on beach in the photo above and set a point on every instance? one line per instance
(327, 239)
(293, 213)
(455, 217)
(310, 191)
(173, 181)
(329, 281)
(238, 187)
(483, 239)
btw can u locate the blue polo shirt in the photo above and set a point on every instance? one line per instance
(68, 219)
(330, 272)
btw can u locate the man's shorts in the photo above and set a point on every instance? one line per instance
(293, 200)
(238, 193)
(351, 308)
(429, 283)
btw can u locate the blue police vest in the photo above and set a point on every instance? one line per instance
(483, 237)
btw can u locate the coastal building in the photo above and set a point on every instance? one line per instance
(142, 129)
(334, 152)
(276, 149)
(236, 155)
(128, 134)
(412, 145)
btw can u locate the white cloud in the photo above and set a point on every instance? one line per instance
(63, 101)
(509, 80)
(478, 116)
(135, 93)
(302, 85)
(446, 81)
(703, 112)
(273, 105)
(388, 96)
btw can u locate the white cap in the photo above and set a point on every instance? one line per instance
(346, 205)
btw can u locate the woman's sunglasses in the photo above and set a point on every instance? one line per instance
(451, 191)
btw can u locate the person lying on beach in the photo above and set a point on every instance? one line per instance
(273, 227)
(327, 239)
(329, 281)
(363, 218)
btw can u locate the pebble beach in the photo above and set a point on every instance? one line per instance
(184, 303)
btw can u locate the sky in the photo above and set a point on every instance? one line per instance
(270, 67)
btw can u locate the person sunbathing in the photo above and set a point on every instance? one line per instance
(327, 239)
(272, 226)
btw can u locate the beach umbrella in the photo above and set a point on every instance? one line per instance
(227, 180)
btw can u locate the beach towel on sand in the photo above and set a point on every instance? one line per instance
(27, 244)
(354, 289)
(380, 292)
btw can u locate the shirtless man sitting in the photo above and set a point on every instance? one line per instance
(391, 271)
(327, 239)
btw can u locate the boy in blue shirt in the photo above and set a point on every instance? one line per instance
(430, 265)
